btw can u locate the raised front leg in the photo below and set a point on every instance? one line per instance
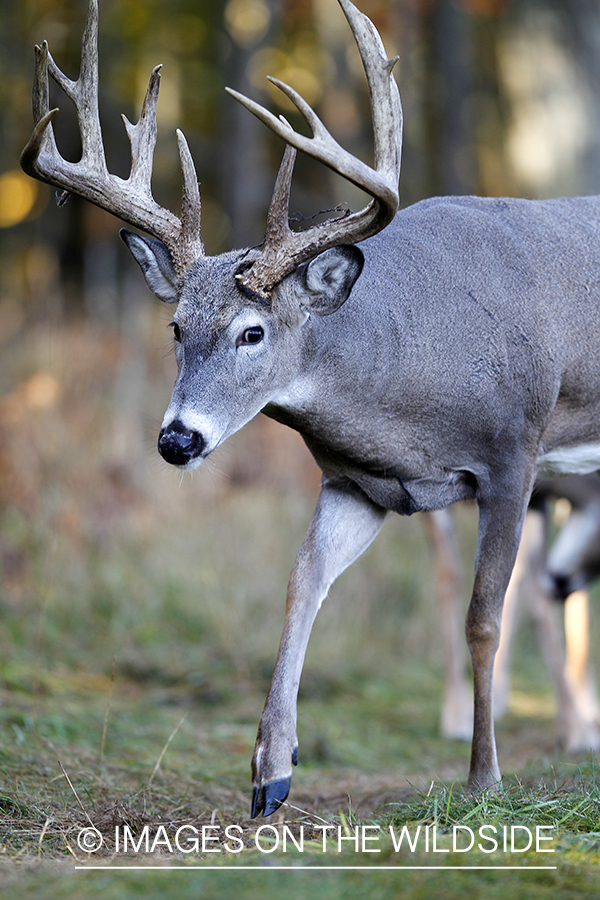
(343, 525)
(501, 516)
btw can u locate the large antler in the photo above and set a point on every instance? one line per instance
(285, 249)
(130, 199)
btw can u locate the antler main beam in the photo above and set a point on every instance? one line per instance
(130, 199)
(284, 249)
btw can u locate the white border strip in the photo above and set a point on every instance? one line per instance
(264, 868)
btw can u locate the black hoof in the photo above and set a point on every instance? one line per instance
(268, 798)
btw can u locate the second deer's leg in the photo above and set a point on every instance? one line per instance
(580, 674)
(523, 582)
(456, 720)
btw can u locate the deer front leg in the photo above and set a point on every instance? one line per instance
(343, 525)
(501, 518)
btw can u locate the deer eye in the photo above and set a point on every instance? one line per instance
(252, 335)
(176, 331)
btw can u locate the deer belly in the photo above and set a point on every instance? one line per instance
(416, 494)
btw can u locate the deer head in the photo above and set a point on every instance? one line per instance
(238, 325)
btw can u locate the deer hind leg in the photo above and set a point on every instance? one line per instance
(568, 570)
(501, 515)
(456, 719)
(524, 583)
(570, 563)
(579, 668)
(343, 525)
(580, 730)
(577, 729)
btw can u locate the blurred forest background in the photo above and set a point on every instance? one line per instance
(105, 551)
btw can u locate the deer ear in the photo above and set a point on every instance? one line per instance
(327, 280)
(156, 264)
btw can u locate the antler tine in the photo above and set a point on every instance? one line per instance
(381, 182)
(318, 129)
(84, 92)
(142, 137)
(279, 209)
(41, 93)
(322, 146)
(131, 199)
(386, 109)
(190, 201)
(278, 231)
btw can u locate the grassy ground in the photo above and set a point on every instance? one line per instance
(140, 620)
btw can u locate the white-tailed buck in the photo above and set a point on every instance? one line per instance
(443, 358)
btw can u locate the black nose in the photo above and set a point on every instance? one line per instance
(178, 445)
